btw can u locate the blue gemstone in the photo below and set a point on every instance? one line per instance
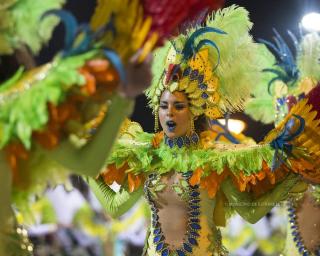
(305, 254)
(195, 226)
(195, 234)
(281, 101)
(160, 246)
(194, 207)
(299, 244)
(203, 86)
(165, 252)
(187, 140)
(294, 233)
(180, 253)
(192, 241)
(291, 209)
(186, 72)
(195, 201)
(200, 78)
(194, 74)
(195, 194)
(187, 247)
(301, 249)
(157, 231)
(195, 220)
(157, 239)
(170, 143)
(195, 213)
(180, 142)
(204, 95)
(195, 138)
(296, 239)
(294, 227)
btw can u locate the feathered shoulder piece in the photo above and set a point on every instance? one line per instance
(37, 104)
(216, 65)
(20, 24)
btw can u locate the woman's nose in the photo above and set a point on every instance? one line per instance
(170, 111)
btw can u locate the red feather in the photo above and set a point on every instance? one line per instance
(170, 16)
(314, 99)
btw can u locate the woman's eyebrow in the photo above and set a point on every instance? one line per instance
(180, 102)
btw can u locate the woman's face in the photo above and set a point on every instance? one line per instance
(174, 114)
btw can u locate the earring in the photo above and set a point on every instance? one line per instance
(156, 121)
(192, 125)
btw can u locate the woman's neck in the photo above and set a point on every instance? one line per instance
(182, 141)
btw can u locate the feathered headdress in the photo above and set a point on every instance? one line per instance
(215, 65)
(288, 74)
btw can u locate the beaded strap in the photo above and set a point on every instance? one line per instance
(294, 228)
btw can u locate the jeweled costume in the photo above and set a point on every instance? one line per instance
(215, 66)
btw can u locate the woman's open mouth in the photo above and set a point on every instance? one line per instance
(171, 125)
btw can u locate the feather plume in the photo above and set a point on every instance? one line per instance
(20, 24)
(308, 58)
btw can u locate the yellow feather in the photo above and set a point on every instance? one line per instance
(148, 46)
(193, 85)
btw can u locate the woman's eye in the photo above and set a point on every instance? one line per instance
(179, 107)
(163, 106)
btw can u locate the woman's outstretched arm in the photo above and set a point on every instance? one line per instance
(253, 209)
(114, 203)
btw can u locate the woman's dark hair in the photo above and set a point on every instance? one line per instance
(201, 124)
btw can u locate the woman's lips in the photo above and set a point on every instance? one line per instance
(171, 125)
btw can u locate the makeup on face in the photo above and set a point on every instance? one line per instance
(174, 114)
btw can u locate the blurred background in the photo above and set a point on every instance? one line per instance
(82, 227)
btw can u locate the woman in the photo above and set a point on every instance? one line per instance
(294, 76)
(191, 182)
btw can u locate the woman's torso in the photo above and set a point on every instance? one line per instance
(182, 217)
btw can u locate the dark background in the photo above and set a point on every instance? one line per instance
(265, 14)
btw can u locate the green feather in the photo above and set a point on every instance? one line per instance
(261, 106)
(143, 158)
(20, 24)
(261, 109)
(308, 56)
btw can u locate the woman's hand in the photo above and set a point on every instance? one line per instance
(138, 77)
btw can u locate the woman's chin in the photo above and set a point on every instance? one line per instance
(172, 135)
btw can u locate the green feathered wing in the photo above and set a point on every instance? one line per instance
(24, 98)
